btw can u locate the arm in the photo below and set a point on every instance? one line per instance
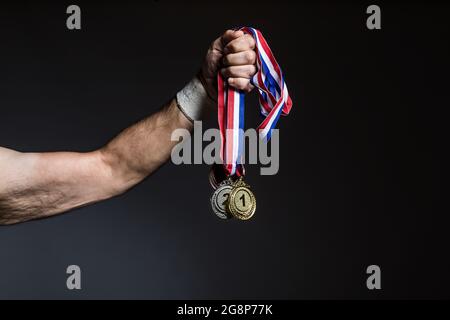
(38, 185)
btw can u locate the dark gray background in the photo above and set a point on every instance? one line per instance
(360, 177)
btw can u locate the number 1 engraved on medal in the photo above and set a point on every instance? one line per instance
(243, 200)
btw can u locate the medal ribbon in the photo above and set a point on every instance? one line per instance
(274, 100)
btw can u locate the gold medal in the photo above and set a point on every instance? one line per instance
(241, 201)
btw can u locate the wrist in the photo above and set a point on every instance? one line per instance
(209, 84)
(194, 101)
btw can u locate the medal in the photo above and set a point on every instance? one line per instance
(232, 196)
(241, 202)
(219, 199)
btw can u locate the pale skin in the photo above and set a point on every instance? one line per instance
(39, 185)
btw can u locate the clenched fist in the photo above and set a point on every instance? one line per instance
(234, 57)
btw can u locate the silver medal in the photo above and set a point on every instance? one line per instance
(219, 199)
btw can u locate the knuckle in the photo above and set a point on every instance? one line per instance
(249, 39)
(234, 46)
(241, 84)
(250, 56)
(251, 70)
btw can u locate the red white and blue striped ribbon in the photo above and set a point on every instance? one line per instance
(274, 101)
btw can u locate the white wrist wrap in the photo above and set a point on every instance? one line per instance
(193, 100)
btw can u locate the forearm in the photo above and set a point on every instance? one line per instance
(144, 147)
(38, 185)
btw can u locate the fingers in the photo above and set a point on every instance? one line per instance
(241, 84)
(246, 71)
(243, 43)
(240, 58)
